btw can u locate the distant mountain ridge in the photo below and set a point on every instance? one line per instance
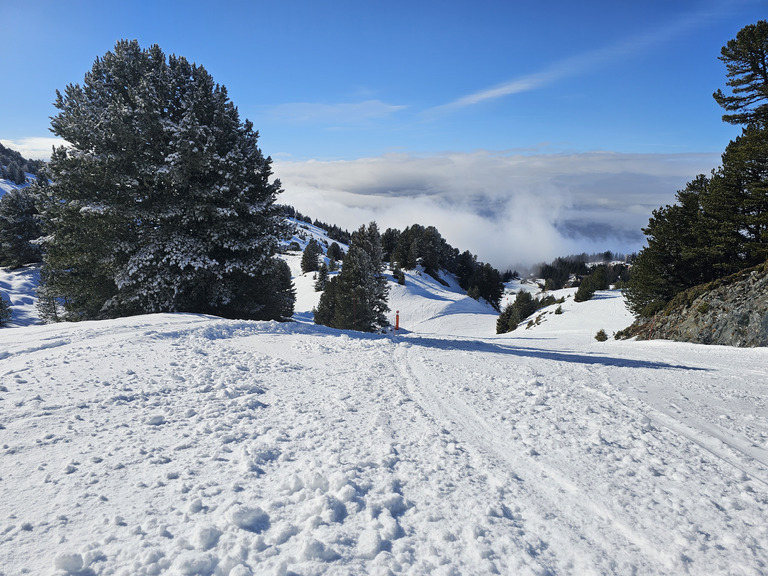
(15, 170)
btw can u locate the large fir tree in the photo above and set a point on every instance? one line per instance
(162, 201)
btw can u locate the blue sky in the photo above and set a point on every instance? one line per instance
(600, 110)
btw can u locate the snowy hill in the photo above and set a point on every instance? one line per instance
(186, 444)
(7, 185)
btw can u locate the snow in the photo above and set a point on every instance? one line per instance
(7, 186)
(189, 444)
(17, 287)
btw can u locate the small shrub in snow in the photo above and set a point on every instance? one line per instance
(601, 336)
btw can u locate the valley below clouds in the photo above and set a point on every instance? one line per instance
(495, 203)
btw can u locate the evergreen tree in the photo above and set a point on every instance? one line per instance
(597, 280)
(389, 241)
(746, 58)
(335, 252)
(309, 260)
(720, 223)
(508, 320)
(325, 311)
(523, 306)
(736, 203)
(430, 252)
(488, 282)
(278, 294)
(465, 268)
(19, 229)
(322, 277)
(163, 201)
(356, 299)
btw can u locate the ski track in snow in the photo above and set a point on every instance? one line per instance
(186, 444)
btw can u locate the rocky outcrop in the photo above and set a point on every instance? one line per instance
(732, 311)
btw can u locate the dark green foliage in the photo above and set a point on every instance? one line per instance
(487, 281)
(419, 245)
(718, 226)
(720, 223)
(322, 278)
(601, 336)
(746, 59)
(310, 258)
(276, 295)
(13, 165)
(389, 241)
(597, 280)
(333, 231)
(523, 306)
(736, 203)
(19, 228)
(5, 311)
(508, 320)
(464, 268)
(557, 273)
(335, 252)
(163, 201)
(325, 312)
(510, 275)
(356, 299)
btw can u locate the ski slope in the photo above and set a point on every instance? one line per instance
(186, 444)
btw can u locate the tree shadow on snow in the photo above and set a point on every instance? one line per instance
(543, 354)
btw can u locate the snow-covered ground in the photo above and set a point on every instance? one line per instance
(186, 444)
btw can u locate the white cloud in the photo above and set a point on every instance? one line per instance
(34, 148)
(506, 208)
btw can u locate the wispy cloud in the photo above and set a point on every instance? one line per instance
(588, 61)
(506, 208)
(340, 114)
(37, 148)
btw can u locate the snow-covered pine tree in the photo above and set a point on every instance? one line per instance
(356, 299)
(19, 228)
(163, 199)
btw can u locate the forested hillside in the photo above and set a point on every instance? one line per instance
(14, 167)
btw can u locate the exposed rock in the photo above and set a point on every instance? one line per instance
(732, 311)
